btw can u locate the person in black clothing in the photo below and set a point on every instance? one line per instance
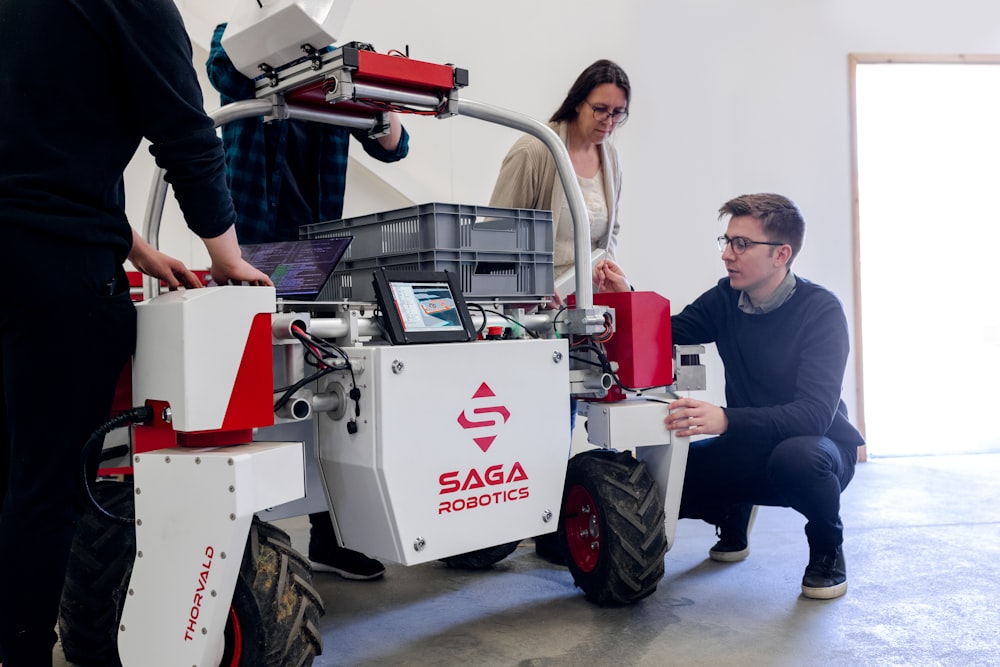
(71, 122)
(784, 437)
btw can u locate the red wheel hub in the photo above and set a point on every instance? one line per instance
(583, 528)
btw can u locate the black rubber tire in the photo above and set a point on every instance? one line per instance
(481, 559)
(274, 614)
(611, 527)
(100, 563)
(275, 607)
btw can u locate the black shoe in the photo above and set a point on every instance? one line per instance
(348, 564)
(826, 574)
(733, 532)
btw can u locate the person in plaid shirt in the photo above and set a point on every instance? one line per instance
(285, 174)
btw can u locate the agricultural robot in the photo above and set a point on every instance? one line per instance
(242, 407)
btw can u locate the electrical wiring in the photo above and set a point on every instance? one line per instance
(483, 311)
(509, 319)
(140, 415)
(315, 347)
(609, 332)
(604, 364)
(555, 318)
(400, 108)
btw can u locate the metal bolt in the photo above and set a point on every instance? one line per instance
(556, 356)
(138, 522)
(138, 554)
(547, 516)
(138, 490)
(136, 459)
(204, 631)
(232, 517)
(214, 594)
(222, 555)
(397, 366)
(232, 488)
(197, 460)
(131, 591)
(166, 459)
(231, 462)
(121, 628)
(419, 544)
(168, 415)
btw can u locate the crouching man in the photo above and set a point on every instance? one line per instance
(783, 438)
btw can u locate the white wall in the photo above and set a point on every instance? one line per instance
(729, 97)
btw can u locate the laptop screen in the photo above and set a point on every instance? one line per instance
(299, 269)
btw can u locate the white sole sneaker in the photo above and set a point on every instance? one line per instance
(826, 593)
(735, 556)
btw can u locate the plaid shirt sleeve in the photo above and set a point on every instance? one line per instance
(245, 146)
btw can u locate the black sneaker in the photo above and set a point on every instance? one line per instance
(733, 532)
(348, 564)
(826, 574)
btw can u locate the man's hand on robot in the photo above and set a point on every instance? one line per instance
(690, 417)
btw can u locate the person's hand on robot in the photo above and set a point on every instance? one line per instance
(691, 417)
(609, 277)
(152, 262)
(228, 265)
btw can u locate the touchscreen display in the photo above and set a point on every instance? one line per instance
(427, 306)
(422, 307)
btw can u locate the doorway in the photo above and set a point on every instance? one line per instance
(927, 218)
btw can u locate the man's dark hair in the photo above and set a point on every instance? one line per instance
(602, 71)
(780, 218)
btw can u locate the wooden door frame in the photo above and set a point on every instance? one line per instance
(853, 60)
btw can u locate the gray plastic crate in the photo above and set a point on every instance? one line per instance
(498, 253)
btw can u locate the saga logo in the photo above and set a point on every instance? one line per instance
(473, 480)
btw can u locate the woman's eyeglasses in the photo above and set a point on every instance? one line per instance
(603, 113)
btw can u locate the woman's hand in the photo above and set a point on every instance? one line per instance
(609, 277)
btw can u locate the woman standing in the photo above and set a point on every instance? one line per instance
(596, 104)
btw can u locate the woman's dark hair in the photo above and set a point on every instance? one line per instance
(603, 71)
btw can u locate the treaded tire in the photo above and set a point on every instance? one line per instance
(611, 527)
(100, 563)
(273, 620)
(275, 607)
(481, 559)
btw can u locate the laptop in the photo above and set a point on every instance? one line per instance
(299, 269)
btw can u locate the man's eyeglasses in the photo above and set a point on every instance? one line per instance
(741, 243)
(602, 113)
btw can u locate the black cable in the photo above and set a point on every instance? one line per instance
(309, 341)
(483, 311)
(140, 415)
(509, 319)
(281, 402)
(555, 318)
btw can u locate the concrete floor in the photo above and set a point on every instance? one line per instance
(923, 556)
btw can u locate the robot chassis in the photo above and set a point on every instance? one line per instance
(450, 452)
